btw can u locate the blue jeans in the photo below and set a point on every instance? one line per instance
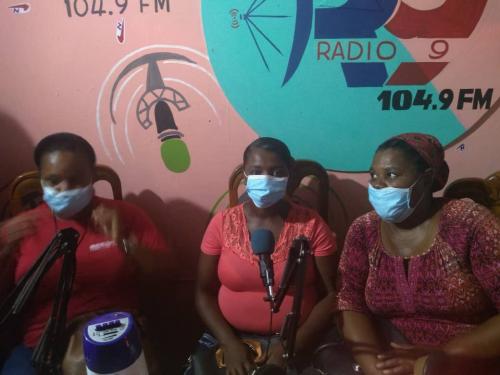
(19, 362)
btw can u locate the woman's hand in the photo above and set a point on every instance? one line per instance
(401, 359)
(238, 359)
(108, 222)
(15, 229)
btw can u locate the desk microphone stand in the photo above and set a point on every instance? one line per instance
(48, 354)
(295, 269)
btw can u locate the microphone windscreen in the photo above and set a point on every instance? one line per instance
(262, 241)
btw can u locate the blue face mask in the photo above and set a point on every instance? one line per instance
(66, 204)
(392, 204)
(265, 190)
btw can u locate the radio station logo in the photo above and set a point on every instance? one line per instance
(345, 75)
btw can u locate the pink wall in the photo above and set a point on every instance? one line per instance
(56, 74)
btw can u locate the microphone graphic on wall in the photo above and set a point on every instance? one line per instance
(174, 151)
(157, 101)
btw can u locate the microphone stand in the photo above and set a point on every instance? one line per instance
(296, 269)
(48, 354)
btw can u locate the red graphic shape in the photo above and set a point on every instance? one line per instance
(453, 19)
(416, 73)
(120, 31)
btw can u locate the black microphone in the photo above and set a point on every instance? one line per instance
(262, 241)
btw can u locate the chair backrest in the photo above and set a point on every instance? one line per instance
(25, 191)
(483, 191)
(493, 183)
(301, 170)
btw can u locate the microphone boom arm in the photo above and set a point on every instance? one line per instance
(289, 272)
(295, 268)
(47, 356)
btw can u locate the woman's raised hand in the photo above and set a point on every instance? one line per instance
(15, 229)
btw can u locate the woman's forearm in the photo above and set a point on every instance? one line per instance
(320, 317)
(207, 288)
(361, 336)
(210, 313)
(482, 341)
(323, 311)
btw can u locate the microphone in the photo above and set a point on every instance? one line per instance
(262, 241)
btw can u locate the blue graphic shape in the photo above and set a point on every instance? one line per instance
(303, 26)
(315, 113)
(355, 19)
(364, 74)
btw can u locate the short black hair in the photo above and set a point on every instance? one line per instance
(413, 156)
(272, 145)
(64, 142)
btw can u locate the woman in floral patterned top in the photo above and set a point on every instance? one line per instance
(428, 266)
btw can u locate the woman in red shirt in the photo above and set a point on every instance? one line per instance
(229, 294)
(117, 244)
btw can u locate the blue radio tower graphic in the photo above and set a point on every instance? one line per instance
(251, 20)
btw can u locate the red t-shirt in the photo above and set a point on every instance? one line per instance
(104, 278)
(241, 293)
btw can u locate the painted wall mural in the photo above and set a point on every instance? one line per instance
(170, 92)
(153, 102)
(345, 75)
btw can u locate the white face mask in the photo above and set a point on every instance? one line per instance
(393, 204)
(265, 190)
(66, 204)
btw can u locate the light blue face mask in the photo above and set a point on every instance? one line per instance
(392, 204)
(66, 204)
(265, 190)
